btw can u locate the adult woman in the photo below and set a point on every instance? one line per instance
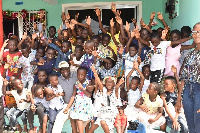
(191, 75)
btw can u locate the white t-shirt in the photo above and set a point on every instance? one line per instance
(145, 86)
(133, 96)
(158, 57)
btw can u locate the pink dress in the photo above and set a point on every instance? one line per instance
(172, 58)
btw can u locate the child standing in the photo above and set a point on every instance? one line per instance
(169, 97)
(55, 101)
(25, 69)
(146, 72)
(151, 106)
(82, 108)
(22, 99)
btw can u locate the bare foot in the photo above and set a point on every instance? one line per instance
(25, 128)
(19, 128)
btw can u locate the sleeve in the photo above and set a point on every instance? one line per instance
(118, 65)
(40, 27)
(166, 43)
(82, 58)
(54, 46)
(160, 102)
(19, 64)
(97, 67)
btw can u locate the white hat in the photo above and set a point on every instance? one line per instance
(63, 64)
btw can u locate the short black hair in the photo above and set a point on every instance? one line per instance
(82, 68)
(133, 45)
(172, 78)
(155, 34)
(136, 78)
(25, 46)
(42, 71)
(94, 37)
(37, 87)
(144, 29)
(79, 47)
(80, 38)
(106, 35)
(52, 27)
(186, 30)
(67, 42)
(145, 66)
(52, 75)
(113, 62)
(50, 48)
(176, 32)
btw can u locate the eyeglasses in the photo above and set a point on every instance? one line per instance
(195, 32)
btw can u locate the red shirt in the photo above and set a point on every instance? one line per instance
(12, 59)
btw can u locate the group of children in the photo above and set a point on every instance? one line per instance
(120, 75)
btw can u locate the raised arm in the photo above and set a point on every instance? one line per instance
(136, 65)
(112, 23)
(127, 27)
(128, 79)
(180, 41)
(98, 13)
(97, 79)
(88, 22)
(160, 17)
(130, 40)
(2, 49)
(121, 81)
(151, 19)
(119, 21)
(137, 36)
(185, 47)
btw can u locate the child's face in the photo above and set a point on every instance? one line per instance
(146, 72)
(108, 65)
(18, 85)
(134, 84)
(50, 54)
(65, 47)
(174, 37)
(79, 31)
(151, 90)
(42, 76)
(155, 41)
(53, 80)
(89, 48)
(168, 85)
(81, 75)
(96, 42)
(144, 34)
(26, 52)
(12, 46)
(40, 53)
(65, 71)
(105, 41)
(78, 53)
(132, 51)
(11, 78)
(52, 32)
(39, 93)
(84, 34)
(79, 42)
(121, 111)
(109, 83)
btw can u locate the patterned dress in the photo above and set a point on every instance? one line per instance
(82, 107)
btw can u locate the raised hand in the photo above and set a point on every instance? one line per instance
(142, 22)
(59, 30)
(127, 26)
(65, 33)
(71, 40)
(98, 11)
(74, 21)
(41, 34)
(93, 68)
(137, 33)
(134, 21)
(119, 12)
(76, 16)
(67, 24)
(159, 16)
(112, 23)
(34, 26)
(5, 43)
(88, 20)
(33, 108)
(34, 35)
(121, 50)
(152, 15)
(24, 36)
(72, 26)
(63, 17)
(118, 19)
(113, 7)
(68, 16)
(174, 69)
(121, 81)
(164, 33)
(133, 33)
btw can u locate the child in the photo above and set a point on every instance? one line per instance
(12, 58)
(108, 110)
(82, 108)
(158, 48)
(134, 89)
(174, 53)
(40, 106)
(146, 72)
(55, 101)
(75, 59)
(24, 63)
(169, 97)
(87, 59)
(22, 99)
(48, 63)
(121, 120)
(62, 55)
(151, 106)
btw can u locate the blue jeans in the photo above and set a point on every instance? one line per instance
(191, 103)
(52, 117)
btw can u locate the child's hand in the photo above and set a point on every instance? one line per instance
(41, 34)
(65, 111)
(125, 103)
(134, 21)
(118, 19)
(121, 81)
(133, 33)
(175, 125)
(164, 33)
(95, 53)
(5, 82)
(71, 40)
(73, 21)
(64, 33)
(24, 36)
(57, 94)
(67, 23)
(71, 26)
(88, 20)
(151, 121)
(139, 60)
(63, 17)
(76, 16)
(142, 22)
(137, 33)
(121, 50)
(93, 68)
(174, 69)
(119, 12)
(98, 11)
(41, 61)
(152, 15)
(6, 66)
(112, 23)
(34, 26)
(72, 62)
(5, 43)
(81, 86)
(33, 108)
(113, 7)
(159, 15)
(59, 30)
(144, 108)
(127, 26)
(21, 100)
(34, 35)
(198, 111)
(135, 65)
